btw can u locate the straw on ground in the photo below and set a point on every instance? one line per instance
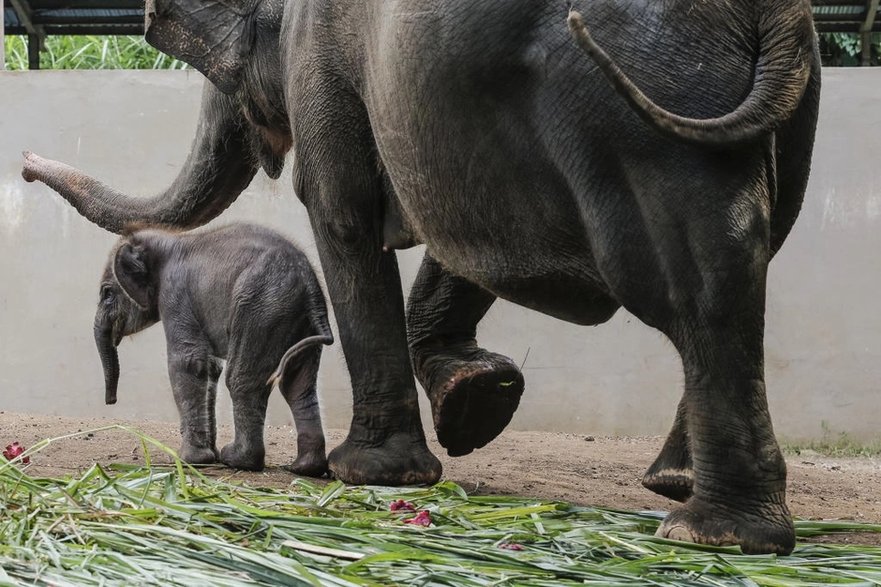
(127, 525)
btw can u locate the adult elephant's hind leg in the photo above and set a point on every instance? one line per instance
(671, 474)
(473, 392)
(739, 472)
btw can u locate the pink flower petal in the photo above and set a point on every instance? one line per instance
(423, 518)
(401, 505)
(13, 450)
(511, 546)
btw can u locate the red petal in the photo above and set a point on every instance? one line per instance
(13, 450)
(423, 518)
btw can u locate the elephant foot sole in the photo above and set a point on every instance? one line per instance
(401, 459)
(768, 531)
(474, 402)
(309, 465)
(672, 483)
(199, 455)
(238, 458)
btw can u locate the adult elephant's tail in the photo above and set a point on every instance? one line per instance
(781, 74)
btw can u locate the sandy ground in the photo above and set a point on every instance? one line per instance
(601, 471)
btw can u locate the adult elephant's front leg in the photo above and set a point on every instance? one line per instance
(473, 392)
(386, 442)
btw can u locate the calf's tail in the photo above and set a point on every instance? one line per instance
(318, 316)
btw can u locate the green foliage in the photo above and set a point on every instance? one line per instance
(152, 525)
(835, 445)
(845, 49)
(90, 52)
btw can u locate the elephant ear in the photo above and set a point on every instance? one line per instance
(214, 36)
(131, 273)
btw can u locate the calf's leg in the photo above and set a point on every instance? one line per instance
(299, 387)
(189, 371)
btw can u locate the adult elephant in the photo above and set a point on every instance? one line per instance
(483, 131)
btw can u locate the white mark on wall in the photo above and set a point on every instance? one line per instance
(855, 209)
(11, 207)
(65, 222)
(873, 208)
(828, 209)
(79, 142)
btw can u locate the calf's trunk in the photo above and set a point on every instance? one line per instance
(109, 361)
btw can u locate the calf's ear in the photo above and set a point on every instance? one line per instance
(131, 272)
(214, 36)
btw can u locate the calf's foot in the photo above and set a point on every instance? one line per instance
(311, 459)
(474, 394)
(198, 455)
(399, 459)
(308, 465)
(238, 457)
(763, 529)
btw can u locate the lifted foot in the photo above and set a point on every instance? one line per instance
(769, 531)
(401, 459)
(675, 484)
(472, 399)
(672, 473)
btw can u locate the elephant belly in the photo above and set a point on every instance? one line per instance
(474, 173)
(499, 213)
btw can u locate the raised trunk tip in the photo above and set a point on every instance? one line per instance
(28, 169)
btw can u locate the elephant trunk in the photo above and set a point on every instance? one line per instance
(219, 167)
(109, 361)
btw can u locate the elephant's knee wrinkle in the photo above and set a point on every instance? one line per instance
(195, 366)
(350, 231)
(215, 368)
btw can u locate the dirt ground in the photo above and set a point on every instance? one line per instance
(601, 471)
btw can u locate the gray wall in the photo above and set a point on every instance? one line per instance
(133, 130)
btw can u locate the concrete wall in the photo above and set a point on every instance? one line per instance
(133, 130)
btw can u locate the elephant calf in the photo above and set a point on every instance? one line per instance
(242, 293)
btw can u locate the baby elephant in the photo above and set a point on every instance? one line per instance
(242, 293)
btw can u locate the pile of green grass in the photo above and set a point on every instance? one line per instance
(128, 525)
(90, 52)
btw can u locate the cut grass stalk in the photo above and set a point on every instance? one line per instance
(125, 525)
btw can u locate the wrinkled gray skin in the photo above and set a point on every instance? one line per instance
(487, 131)
(241, 293)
